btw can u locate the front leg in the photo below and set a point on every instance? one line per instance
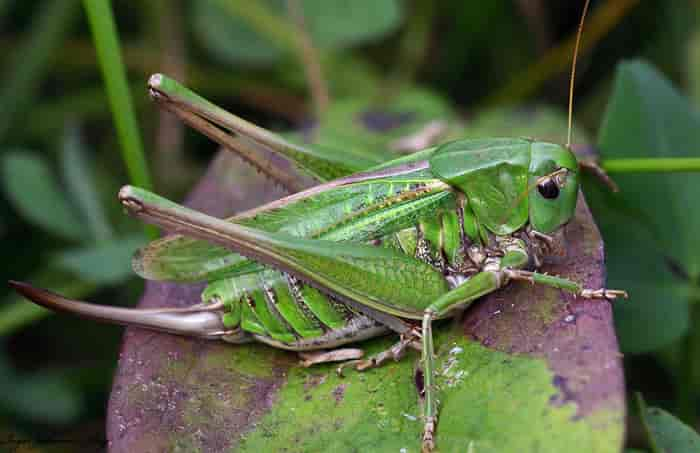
(565, 284)
(478, 285)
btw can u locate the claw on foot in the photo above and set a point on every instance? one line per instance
(396, 352)
(342, 366)
(360, 365)
(519, 275)
(428, 435)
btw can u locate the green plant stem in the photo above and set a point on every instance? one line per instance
(652, 165)
(104, 33)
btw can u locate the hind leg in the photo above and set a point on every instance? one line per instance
(395, 352)
(334, 355)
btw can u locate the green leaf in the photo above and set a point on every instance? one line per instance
(81, 185)
(365, 125)
(229, 38)
(650, 232)
(105, 263)
(31, 61)
(262, 35)
(361, 132)
(38, 196)
(644, 326)
(373, 412)
(665, 433)
(540, 122)
(44, 398)
(335, 24)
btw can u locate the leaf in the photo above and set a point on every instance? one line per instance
(81, 185)
(32, 60)
(540, 122)
(336, 24)
(651, 235)
(37, 195)
(665, 433)
(105, 263)
(361, 133)
(660, 326)
(527, 369)
(332, 24)
(229, 38)
(361, 125)
(44, 398)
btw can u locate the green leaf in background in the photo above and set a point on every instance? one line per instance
(540, 122)
(38, 196)
(665, 433)
(332, 24)
(336, 24)
(45, 397)
(367, 125)
(650, 227)
(658, 317)
(105, 263)
(80, 184)
(228, 38)
(31, 61)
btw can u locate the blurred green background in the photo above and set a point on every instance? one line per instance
(503, 65)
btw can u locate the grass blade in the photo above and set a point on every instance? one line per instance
(101, 19)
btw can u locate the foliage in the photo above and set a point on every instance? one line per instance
(61, 227)
(665, 432)
(646, 116)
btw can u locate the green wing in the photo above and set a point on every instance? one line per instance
(359, 208)
(376, 277)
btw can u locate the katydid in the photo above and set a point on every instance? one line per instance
(377, 247)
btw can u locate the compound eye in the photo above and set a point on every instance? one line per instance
(549, 189)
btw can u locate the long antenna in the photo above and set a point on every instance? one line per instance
(573, 72)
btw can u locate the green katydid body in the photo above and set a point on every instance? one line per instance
(448, 231)
(394, 243)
